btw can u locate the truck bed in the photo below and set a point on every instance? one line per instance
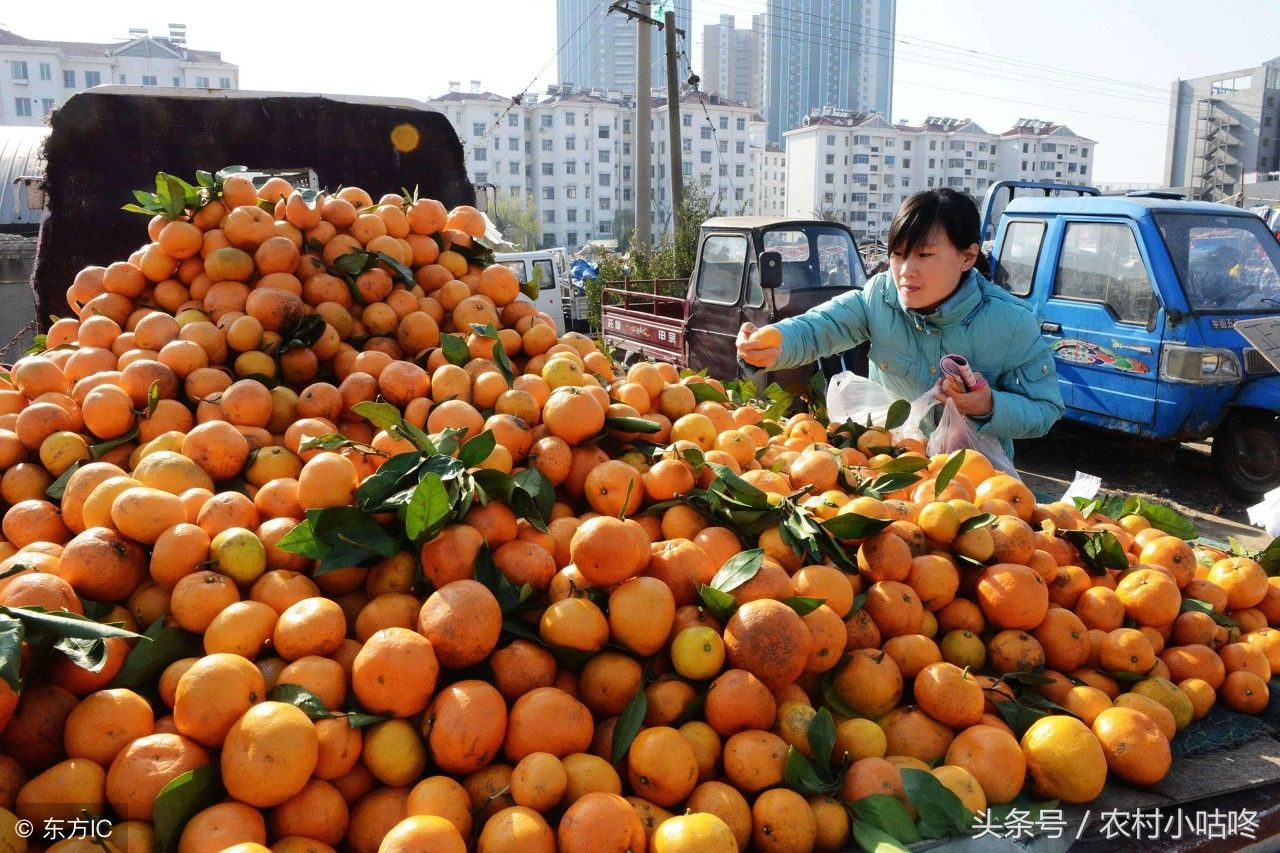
(639, 318)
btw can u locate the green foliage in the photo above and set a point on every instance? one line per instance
(518, 220)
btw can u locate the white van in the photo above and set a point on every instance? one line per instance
(554, 269)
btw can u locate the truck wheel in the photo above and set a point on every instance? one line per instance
(1246, 452)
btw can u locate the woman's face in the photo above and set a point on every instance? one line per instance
(932, 271)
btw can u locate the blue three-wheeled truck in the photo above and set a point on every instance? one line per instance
(1139, 297)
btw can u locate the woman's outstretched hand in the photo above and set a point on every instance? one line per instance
(759, 350)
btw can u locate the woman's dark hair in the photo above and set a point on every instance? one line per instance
(955, 211)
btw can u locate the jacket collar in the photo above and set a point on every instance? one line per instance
(957, 308)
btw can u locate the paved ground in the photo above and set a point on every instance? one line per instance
(1181, 476)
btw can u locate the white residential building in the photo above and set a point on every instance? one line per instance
(771, 182)
(1035, 150)
(573, 151)
(859, 167)
(36, 75)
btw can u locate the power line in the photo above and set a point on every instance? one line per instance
(835, 30)
(715, 137)
(948, 47)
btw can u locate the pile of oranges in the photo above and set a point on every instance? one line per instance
(635, 656)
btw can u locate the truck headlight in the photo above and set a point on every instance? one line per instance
(1198, 364)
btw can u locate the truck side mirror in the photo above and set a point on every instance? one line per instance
(771, 269)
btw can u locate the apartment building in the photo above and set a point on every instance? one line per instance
(733, 60)
(1034, 150)
(573, 151)
(600, 45)
(771, 181)
(858, 167)
(37, 76)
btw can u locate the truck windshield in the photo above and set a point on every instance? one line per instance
(1226, 263)
(816, 256)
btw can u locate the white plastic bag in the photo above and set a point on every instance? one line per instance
(1267, 513)
(853, 397)
(954, 431)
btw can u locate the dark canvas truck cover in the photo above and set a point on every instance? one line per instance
(110, 141)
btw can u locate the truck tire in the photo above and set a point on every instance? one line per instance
(1246, 452)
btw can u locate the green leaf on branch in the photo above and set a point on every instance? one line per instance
(639, 425)
(737, 570)
(1190, 604)
(705, 391)
(147, 660)
(292, 694)
(1099, 551)
(628, 725)
(59, 486)
(982, 519)
(903, 465)
(802, 605)
(477, 449)
(97, 451)
(182, 799)
(949, 471)
(854, 526)
(800, 775)
(456, 351)
(12, 633)
(428, 509)
(889, 815)
(897, 414)
(719, 604)
(941, 812)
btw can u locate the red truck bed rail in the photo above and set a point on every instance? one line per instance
(640, 317)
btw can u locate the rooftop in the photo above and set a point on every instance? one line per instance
(175, 44)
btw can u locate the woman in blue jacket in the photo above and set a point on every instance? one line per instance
(931, 302)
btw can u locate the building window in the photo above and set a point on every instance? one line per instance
(550, 216)
(686, 169)
(571, 143)
(606, 179)
(46, 71)
(705, 156)
(603, 155)
(686, 120)
(831, 159)
(859, 159)
(626, 125)
(603, 131)
(724, 170)
(706, 132)
(571, 191)
(148, 79)
(1084, 169)
(1084, 153)
(513, 143)
(548, 238)
(482, 177)
(202, 82)
(224, 82)
(890, 160)
(626, 149)
(123, 79)
(831, 139)
(177, 81)
(830, 178)
(955, 163)
(932, 161)
(571, 215)
(570, 119)
(22, 106)
(513, 168)
(546, 144)
(1025, 148)
(548, 168)
(724, 147)
(477, 128)
(906, 145)
(605, 203)
(18, 70)
(92, 78)
(738, 171)
(724, 122)
(862, 139)
(740, 147)
(46, 106)
(626, 173)
(742, 124)
(957, 145)
(482, 154)
(514, 190)
(571, 167)
(1048, 146)
(68, 79)
(548, 193)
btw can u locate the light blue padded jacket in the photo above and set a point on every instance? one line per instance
(993, 329)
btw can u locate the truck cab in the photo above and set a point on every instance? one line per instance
(1138, 298)
(695, 323)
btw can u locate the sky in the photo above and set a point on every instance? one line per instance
(1102, 67)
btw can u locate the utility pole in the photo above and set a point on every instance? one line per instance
(673, 123)
(643, 187)
(642, 177)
